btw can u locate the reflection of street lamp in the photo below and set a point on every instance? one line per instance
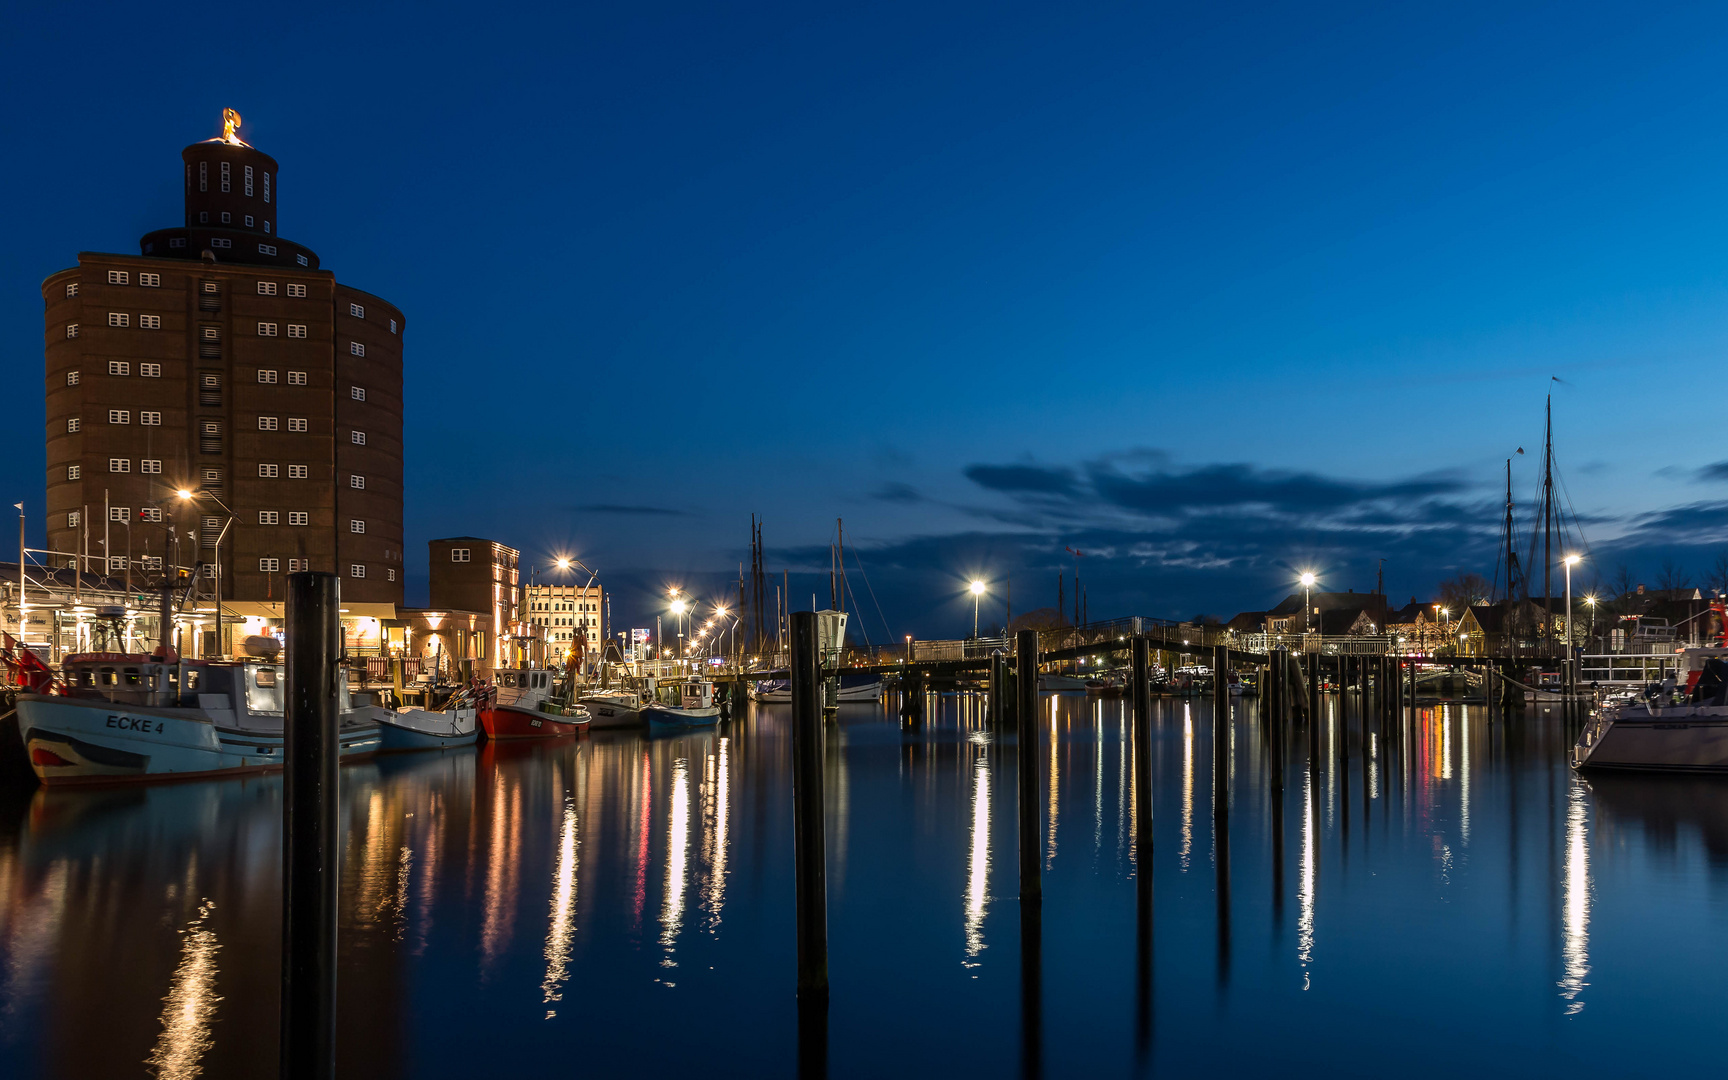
(977, 591)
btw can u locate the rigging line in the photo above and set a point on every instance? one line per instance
(873, 600)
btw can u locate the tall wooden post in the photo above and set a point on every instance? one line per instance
(1026, 750)
(809, 844)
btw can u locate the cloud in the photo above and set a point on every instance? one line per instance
(895, 492)
(1022, 479)
(1714, 473)
(643, 511)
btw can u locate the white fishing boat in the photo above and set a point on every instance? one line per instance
(1679, 724)
(457, 723)
(617, 707)
(155, 716)
(680, 704)
(853, 689)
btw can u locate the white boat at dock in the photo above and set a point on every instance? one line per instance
(618, 707)
(1672, 725)
(682, 703)
(457, 723)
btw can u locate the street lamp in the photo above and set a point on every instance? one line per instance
(977, 591)
(188, 496)
(1570, 561)
(1590, 602)
(1307, 580)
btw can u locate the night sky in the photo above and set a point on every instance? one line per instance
(1212, 295)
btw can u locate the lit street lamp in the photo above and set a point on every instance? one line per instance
(1570, 561)
(977, 591)
(188, 496)
(1307, 580)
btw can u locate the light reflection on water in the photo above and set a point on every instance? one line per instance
(546, 896)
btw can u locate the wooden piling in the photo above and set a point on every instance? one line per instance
(1142, 735)
(1026, 751)
(1221, 736)
(809, 843)
(311, 845)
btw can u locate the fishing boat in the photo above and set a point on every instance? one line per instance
(680, 704)
(457, 723)
(521, 705)
(156, 716)
(618, 707)
(1674, 725)
(853, 689)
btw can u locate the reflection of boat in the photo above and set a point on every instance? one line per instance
(456, 724)
(853, 689)
(134, 716)
(1105, 687)
(521, 706)
(687, 703)
(1669, 726)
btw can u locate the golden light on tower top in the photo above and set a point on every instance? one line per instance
(231, 128)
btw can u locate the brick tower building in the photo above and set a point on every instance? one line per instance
(226, 400)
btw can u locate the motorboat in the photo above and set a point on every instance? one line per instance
(521, 704)
(1061, 682)
(681, 703)
(1679, 724)
(156, 716)
(617, 707)
(457, 723)
(853, 689)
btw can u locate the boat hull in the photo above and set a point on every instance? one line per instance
(78, 741)
(419, 729)
(665, 717)
(607, 713)
(504, 722)
(1685, 739)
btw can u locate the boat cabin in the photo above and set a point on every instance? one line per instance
(254, 687)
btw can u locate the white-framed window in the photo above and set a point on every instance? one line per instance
(72, 519)
(117, 277)
(296, 330)
(150, 513)
(301, 259)
(72, 425)
(119, 318)
(119, 416)
(355, 525)
(266, 193)
(176, 242)
(210, 287)
(266, 224)
(71, 329)
(266, 249)
(150, 418)
(150, 465)
(266, 376)
(203, 176)
(248, 179)
(73, 472)
(296, 378)
(119, 464)
(248, 218)
(266, 288)
(296, 289)
(266, 423)
(150, 322)
(151, 562)
(297, 423)
(355, 480)
(269, 566)
(227, 218)
(358, 393)
(297, 565)
(297, 517)
(266, 471)
(296, 472)
(358, 438)
(150, 281)
(356, 570)
(266, 329)
(459, 555)
(224, 176)
(354, 347)
(119, 513)
(203, 217)
(117, 564)
(219, 242)
(212, 333)
(390, 574)
(267, 517)
(72, 288)
(150, 371)
(357, 311)
(210, 568)
(392, 326)
(71, 378)
(119, 367)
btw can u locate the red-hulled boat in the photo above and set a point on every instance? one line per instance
(521, 706)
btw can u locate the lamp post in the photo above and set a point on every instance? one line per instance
(184, 494)
(22, 624)
(1307, 598)
(977, 591)
(1590, 602)
(1570, 561)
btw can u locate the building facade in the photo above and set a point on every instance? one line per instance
(471, 574)
(222, 397)
(566, 611)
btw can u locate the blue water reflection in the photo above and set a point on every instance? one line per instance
(1455, 898)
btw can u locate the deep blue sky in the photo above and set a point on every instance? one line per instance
(1210, 293)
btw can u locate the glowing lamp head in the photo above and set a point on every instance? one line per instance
(677, 607)
(1307, 580)
(977, 588)
(1574, 560)
(562, 564)
(183, 493)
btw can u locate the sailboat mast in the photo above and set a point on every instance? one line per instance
(1548, 523)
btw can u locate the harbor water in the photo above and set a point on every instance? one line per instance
(622, 904)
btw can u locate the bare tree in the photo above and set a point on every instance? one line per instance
(1463, 591)
(1672, 576)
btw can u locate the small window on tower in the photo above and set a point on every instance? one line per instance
(297, 423)
(71, 378)
(119, 367)
(266, 329)
(153, 466)
(358, 393)
(150, 418)
(73, 472)
(355, 480)
(248, 221)
(356, 570)
(358, 438)
(119, 318)
(119, 416)
(266, 471)
(117, 277)
(296, 517)
(266, 517)
(354, 347)
(295, 288)
(296, 330)
(150, 281)
(266, 288)
(269, 566)
(296, 378)
(150, 322)
(355, 525)
(72, 425)
(119, 464)
(266, 423)
(265, 376)
(227, 218)
(296, 472)
(72, 289)
(71, 330)
(357, 311)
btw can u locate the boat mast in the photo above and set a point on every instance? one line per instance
(1548, 524)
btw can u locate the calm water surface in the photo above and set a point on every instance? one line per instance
(622, 906)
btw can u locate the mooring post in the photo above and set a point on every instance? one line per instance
(1221, 736)
(310, 867)
(1272, 698)
(810, 850)
(1143, 767)
(1026, 751)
